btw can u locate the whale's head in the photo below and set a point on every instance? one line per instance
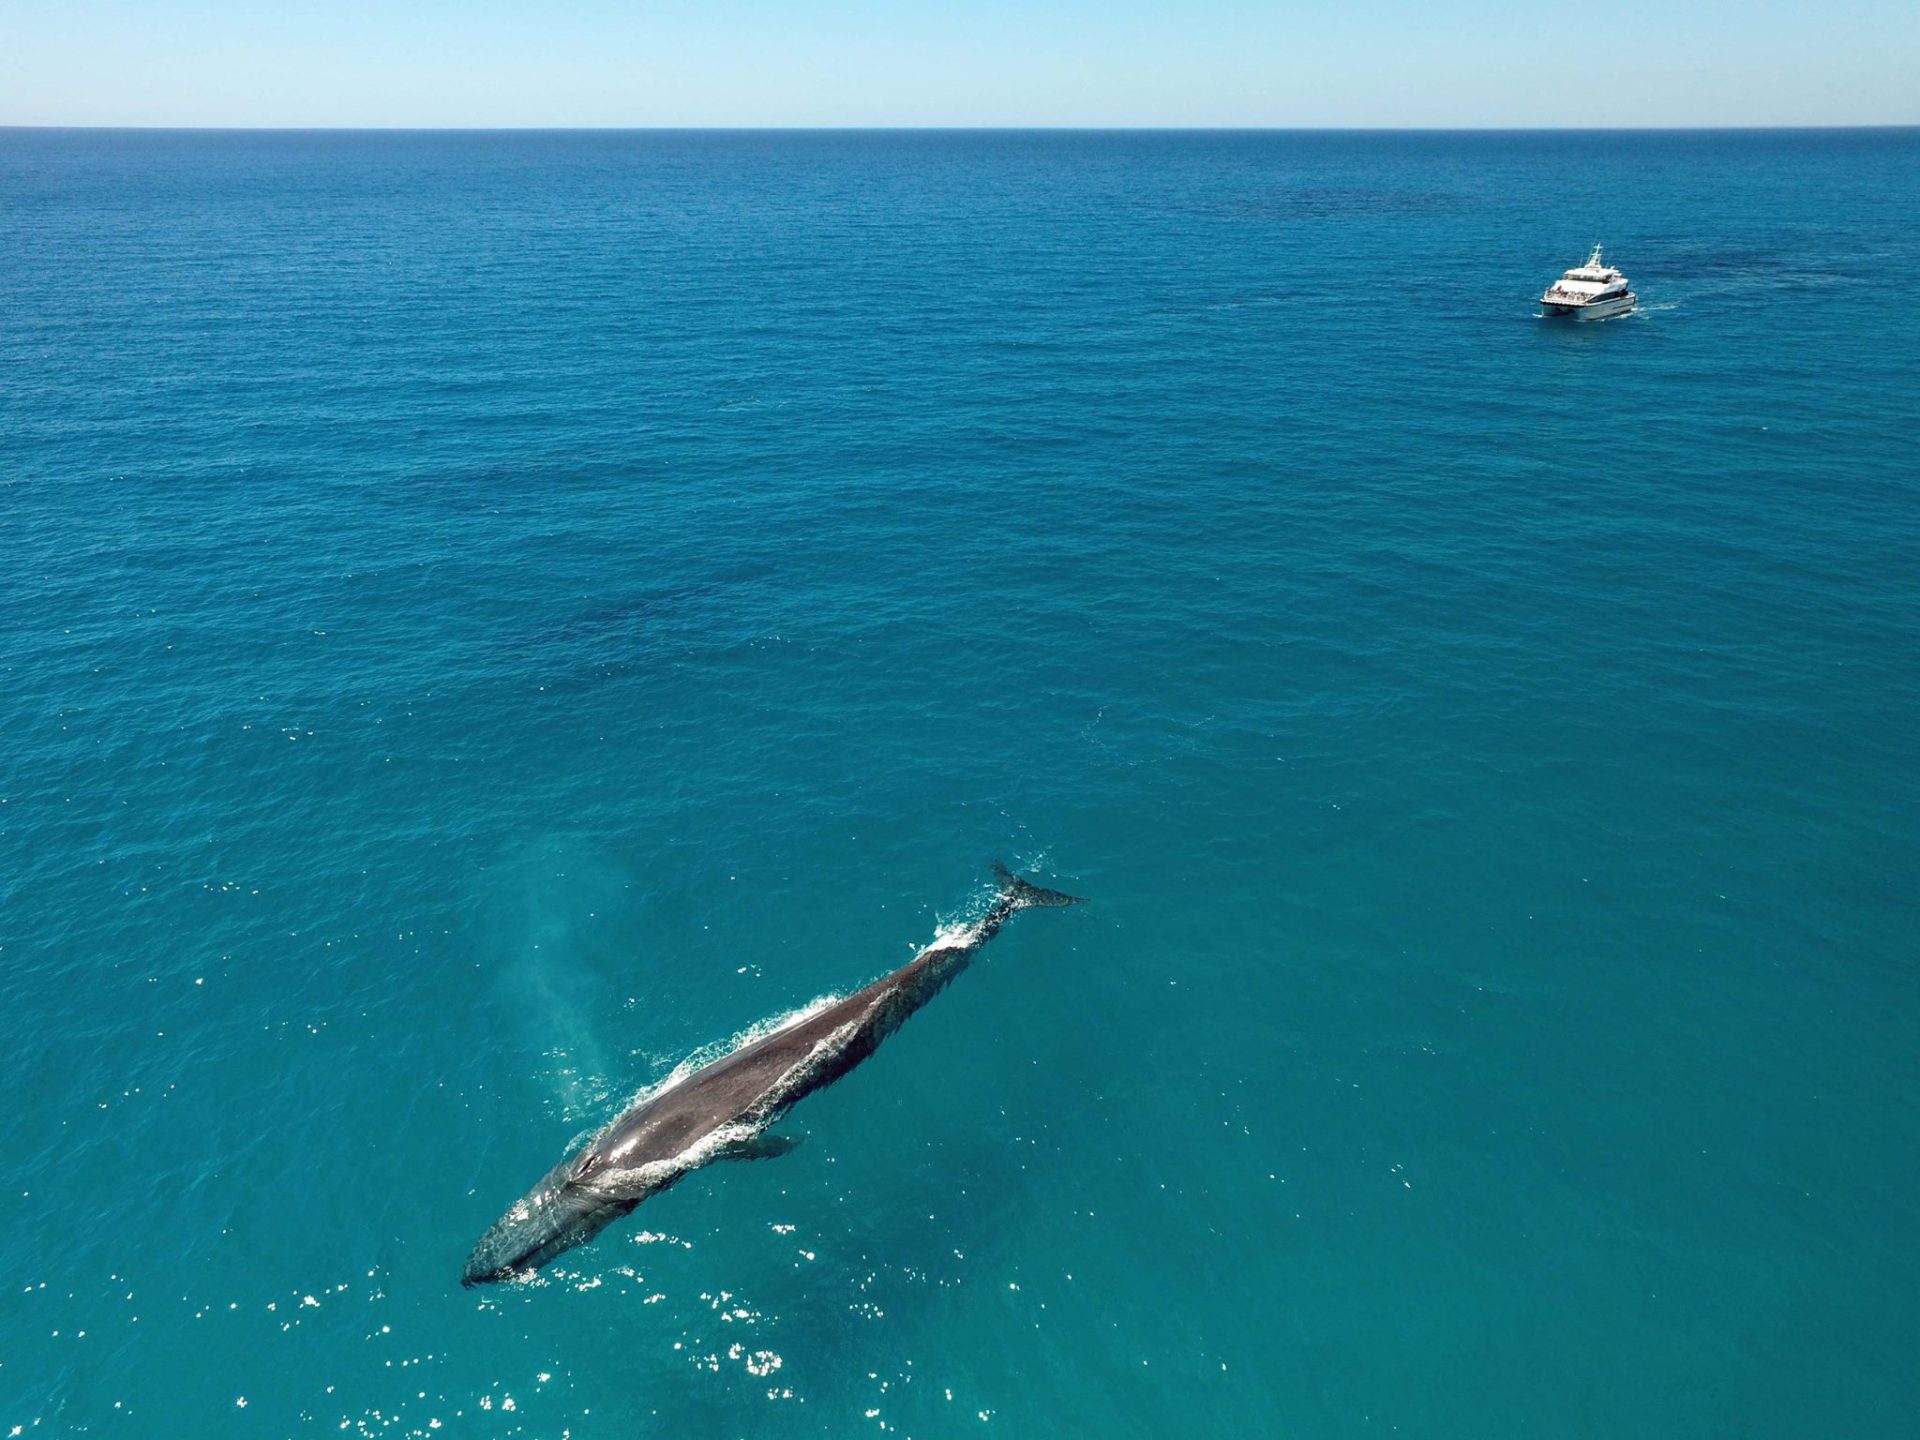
(556, 1215)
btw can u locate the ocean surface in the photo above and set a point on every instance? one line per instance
(486, 616)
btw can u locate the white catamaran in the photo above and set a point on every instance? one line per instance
(1592, 291)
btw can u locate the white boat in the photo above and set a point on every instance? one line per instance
(1592, 291)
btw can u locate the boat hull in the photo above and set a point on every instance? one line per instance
(1594, 310)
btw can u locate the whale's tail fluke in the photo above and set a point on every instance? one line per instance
(1022, 895)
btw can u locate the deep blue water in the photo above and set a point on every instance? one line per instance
(484, 616)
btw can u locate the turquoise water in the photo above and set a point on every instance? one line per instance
(485, 616)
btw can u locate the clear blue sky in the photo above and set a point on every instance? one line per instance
(969, 62)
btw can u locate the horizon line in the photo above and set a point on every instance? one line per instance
(963, 129)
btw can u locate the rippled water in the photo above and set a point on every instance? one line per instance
(486, 616)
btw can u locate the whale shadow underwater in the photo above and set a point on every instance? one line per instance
(725, 1109)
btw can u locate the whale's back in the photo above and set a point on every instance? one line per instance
(751, 1087)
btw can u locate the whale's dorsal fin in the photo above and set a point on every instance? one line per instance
(1023, 894)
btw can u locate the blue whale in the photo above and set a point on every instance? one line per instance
(723, 1110)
